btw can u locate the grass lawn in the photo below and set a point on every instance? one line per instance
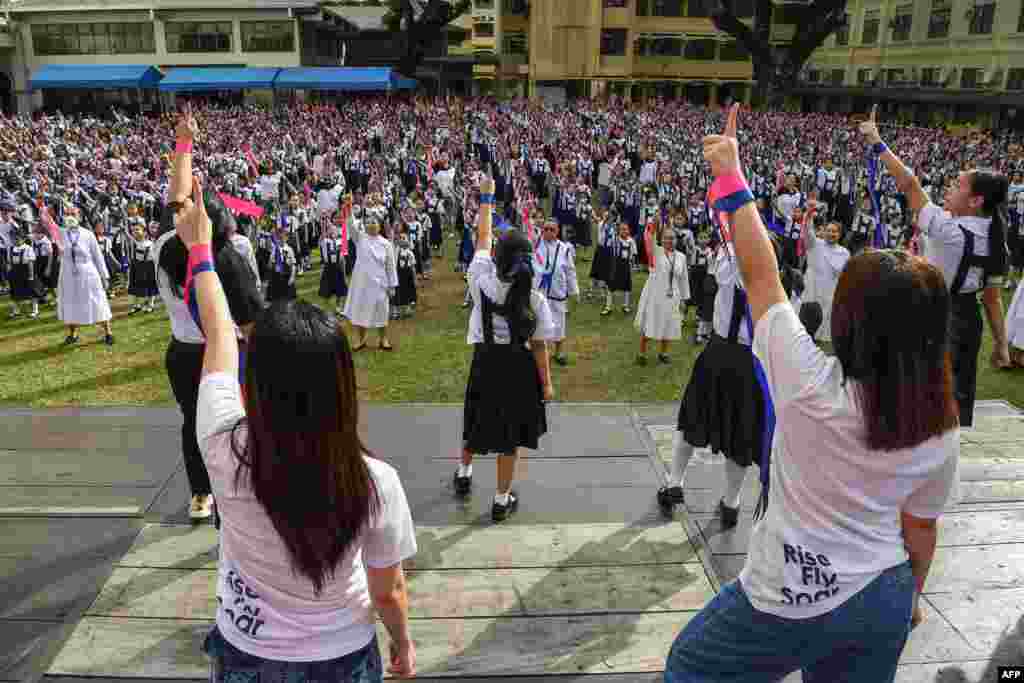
(429, 364)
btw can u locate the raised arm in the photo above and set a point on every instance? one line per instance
(758, 265)
(483, 217)
(807, 234)
(181, 176)
(906, 182)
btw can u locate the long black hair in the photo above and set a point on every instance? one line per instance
(994, 188)
(174, 255)
(514, 258)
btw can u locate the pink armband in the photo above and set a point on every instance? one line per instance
(183, 147)
(728, 184)
(199, 253)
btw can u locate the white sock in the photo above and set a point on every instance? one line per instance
(608, 299)
(734, 475)
(625, 299)
(501, 498)
(681, 454)
(465, 470)
(35, 308)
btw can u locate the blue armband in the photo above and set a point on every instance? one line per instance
(486, 198)
(733, 202)
(879, 149)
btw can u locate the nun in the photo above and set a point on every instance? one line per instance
(659, 313)
(84, 278)
(374, 279)
(826, 259)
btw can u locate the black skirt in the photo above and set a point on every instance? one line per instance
(278, 287)
(405, 293)
(504, 407)
(621, 279)
(601, 266)
(22, 288)
(142, 279)
(333, 281)
(723, 406)
(706, 304)
(697, 275)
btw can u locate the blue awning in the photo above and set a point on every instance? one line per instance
(89, 76)
(205, 79)
(341, 78)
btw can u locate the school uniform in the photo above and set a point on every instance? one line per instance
(861, 233)
(504, 405)
(603, 264)
(959, 248)
(555, 278)
(264, 251)
(658, 315)
(142, 270)
(624, 253)
(722, 405)
(825, 262)
(47, 263)
(24, 278)
(333, 281)
(405, 293)
(281, 284)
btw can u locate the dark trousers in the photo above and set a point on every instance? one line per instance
(965, 344)
(184, 364)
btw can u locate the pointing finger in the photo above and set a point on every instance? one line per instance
(730, 124)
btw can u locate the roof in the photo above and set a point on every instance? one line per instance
(363, 18)
(207, 79)
(342, 78)
(88, 76)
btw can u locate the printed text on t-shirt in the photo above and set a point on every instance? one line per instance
(819, 582)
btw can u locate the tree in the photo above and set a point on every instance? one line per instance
(776, 66)
(416, 24)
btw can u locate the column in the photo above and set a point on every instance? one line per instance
(748, 92)
(713, 96)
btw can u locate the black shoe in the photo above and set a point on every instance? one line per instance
(663, 358)
(499, 513)
(462, 484)
(641, 360)
(70, 340)
(108, 340)
(730, 516)
(670, 495)
(561, 360)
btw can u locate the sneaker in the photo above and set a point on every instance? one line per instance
(462, 484)
(134, 310)
(33, 316)
(148, 309)
(626, 309)
(108, 340)
(730, 516)
(201, 507)
(499, 512)
(641, 360)
(606, 311)
(670, 495)
(14, 314)
(70, 340)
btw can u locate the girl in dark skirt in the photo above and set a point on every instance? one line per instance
(601, 266)
(142, 271)
(624, 253)
(509, 379)
(333, 281)
(722, 405)
(405, 293)
(24, 279)
(283, 268)
(47, 263)
(107, 249)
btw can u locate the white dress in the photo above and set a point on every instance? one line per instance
(657, 315)
(824, 264)
(81, 299)
(375, 272)
(1015, 319)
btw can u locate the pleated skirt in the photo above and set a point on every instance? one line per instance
(504, 406)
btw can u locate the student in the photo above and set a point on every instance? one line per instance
(283, 268)
(555, 278)
(47, 262)
(333, 282)
(967, 241)
(624, 253)
(141, 271)
(601, 266)
(509, 379)
(658, 314)
(405, 258)
(26, 283)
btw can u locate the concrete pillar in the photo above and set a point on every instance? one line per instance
(748, 93)
(713, 96)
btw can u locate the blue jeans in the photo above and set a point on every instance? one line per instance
(861, 640)
(231, 665)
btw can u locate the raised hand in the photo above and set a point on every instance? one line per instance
(869, 128)
(722, 151)
(486, 184)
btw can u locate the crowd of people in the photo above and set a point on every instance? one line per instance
(782, 231)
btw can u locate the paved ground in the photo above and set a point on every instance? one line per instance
(103, 578)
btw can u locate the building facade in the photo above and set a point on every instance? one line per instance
(924, 62)
(634, 48)
(162, 33)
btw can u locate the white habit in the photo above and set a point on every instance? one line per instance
(824, 264)
(657, 315)
(375, 272)
(81, 299)
(557, 259)
(1015, 319)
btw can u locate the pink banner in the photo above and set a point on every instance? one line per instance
(51, 226)
(343, 221)
(241, 206)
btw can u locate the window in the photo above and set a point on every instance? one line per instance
(483, 4)
(982, 14)
(894, 76)
(837, 76)
(930, 77)
(661, 8)
(484, 29)
(700, 49)
(93, 39)
(267, 36)
(515, 7)
(191, 36)
(613, 42)
(843, 32)
(659, 45)
(870, 34)
(615, 4)
(813, 76)
(902, 22)
(733, 51)
(938, 21)
(514, 43)
(863, 76)
(969, 78)
(1015, 79)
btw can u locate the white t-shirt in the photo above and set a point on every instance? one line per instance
(269, 186)
(483, 277)
(264, 608)
(945, 243)
(833, 519)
